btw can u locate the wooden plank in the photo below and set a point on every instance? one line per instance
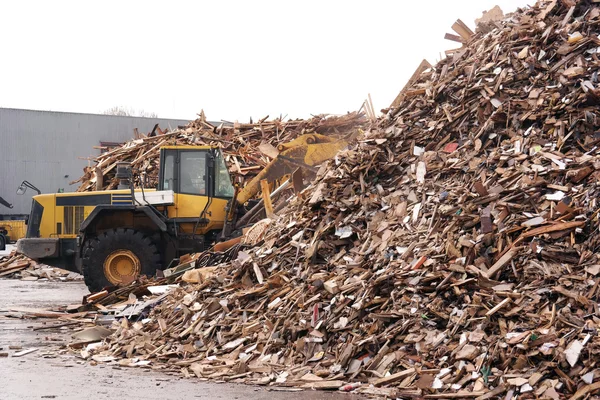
(500, 389)
(371, 108)
(498, 307)
(465, 27)
(47, 314)
(584, 391)
(298, 181)
(505, 259)
(553, 228)
(324, 385)
(394, 378)
(99, 178)
(458, 395)
(268, 149)
(24, 352)
(266, 195)
(462, 29)
(416, 92)
(422, 67)
(12, 270)
(454, 38)
(40, 328)
(452, 51)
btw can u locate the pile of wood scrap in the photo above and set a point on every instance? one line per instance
(451, 253)
(192, 268)
(18, 266)
(247, 147)
(12, 264)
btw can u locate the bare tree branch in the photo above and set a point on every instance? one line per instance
(129, 112)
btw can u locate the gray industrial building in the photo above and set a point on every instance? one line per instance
(50, 149)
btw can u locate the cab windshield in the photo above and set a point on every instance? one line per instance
(189, 171)
(223, 185)
(192, 179)
(35, 220)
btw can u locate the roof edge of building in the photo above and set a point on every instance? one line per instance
(94, 114)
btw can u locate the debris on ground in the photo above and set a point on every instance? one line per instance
(24, 352)
(451, 253)
(248, 148)
(18, 266)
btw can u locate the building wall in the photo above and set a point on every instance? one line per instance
(50, 149)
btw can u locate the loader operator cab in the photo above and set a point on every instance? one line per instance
(194, 171)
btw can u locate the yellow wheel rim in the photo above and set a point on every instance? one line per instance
(122, 266)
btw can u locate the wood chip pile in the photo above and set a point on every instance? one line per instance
(241, 144)
(451, 253)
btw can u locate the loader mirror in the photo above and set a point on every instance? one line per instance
(27, 185)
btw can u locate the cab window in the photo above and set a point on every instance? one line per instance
(223, 185)
(192, 172)
(35, 220)
(168, 182)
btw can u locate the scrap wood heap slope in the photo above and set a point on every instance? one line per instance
(451, 252)
(243, 146)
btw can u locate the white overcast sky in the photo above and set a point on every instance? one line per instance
(234, 59)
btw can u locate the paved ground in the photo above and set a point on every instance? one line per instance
(9, 248)
(51, 374)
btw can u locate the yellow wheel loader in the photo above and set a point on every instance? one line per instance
(10, 230)
(113, 236)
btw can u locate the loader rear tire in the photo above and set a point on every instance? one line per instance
(2, 242)
(117, 257)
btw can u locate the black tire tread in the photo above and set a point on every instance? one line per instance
(96, 249)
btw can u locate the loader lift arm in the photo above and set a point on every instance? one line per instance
(304, 152)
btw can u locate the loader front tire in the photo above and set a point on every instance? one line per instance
(2, 242)
(117, 257)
